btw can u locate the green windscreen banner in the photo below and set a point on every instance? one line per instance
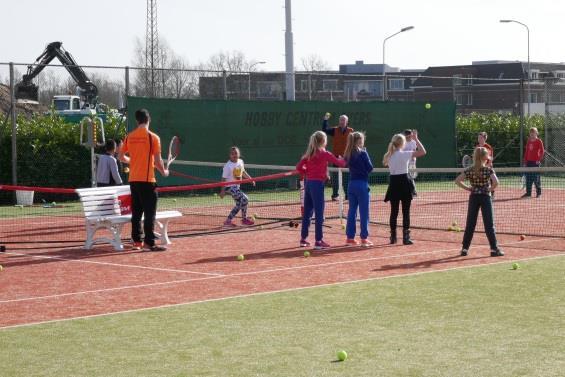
(277, 133)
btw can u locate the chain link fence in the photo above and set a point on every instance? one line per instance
(503, 107)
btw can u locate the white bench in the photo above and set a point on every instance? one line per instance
(102, 210)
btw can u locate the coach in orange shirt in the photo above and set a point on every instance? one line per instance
(339, 135)
(142, 150)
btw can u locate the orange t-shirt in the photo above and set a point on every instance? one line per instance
(141, 145)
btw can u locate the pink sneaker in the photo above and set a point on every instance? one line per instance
(230, 224)
(351, 242)
(321, 245)
(366, 243)
(247, 221)
(304, 243)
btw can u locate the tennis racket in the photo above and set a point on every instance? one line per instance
(467, 161)
(412, 172)
(174, 151)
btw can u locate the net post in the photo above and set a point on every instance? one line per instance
(341, 193)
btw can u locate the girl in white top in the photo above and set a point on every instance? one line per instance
(234, 170)
(400, 188)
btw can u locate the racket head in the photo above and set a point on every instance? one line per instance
(174, 150)
(412, 172)
(467, 161)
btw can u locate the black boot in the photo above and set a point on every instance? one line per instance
(392, 236)
(406, 237)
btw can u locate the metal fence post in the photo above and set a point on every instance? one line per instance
(522, 121)
(14, 125)
(126, 87)
(225, 84)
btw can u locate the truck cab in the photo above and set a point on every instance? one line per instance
(71, 108)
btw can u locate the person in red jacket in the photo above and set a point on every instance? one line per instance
(532, 158)
(314, 165)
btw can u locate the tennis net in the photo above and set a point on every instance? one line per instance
(56, 215)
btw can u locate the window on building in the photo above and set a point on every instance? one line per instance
(533, 98)
(534, 74)
(269, 89)
(329, 85)
(304, 85)
(465, 99)
(396, 84)
(463, 79)
(560, 74)
(556, 98)
(372, 88)
(76, 103)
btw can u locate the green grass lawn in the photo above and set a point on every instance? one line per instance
(485, 321)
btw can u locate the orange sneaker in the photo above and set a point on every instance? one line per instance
(351, 242)
(137, 246)
(366, 243)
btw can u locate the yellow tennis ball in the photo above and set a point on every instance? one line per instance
(428, 106)
(240, 257)
(342, 355)
(126, 170)
(306, 254)
(343, 226)
(515, 266)
(450, 228)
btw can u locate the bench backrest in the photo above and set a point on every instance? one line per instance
(102, 201)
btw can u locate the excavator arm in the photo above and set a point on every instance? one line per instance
(26, 89)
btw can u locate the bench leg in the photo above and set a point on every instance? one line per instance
(90, 230)
(164, 230)
(116, 231)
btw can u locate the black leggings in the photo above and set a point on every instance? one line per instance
(394, 207)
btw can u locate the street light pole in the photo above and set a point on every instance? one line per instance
(384, 67)
(529, 72)
(249, 78)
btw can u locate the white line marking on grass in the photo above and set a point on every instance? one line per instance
(271, 292)
(114, 264)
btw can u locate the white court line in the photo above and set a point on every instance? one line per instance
(113, 264)
(270, 292)
(180, 281)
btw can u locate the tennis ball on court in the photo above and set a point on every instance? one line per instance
(342, 355)
(1, 268)
(240, 257)
(215, 194)
(454, 223)
(126, 170)
(522, 237)
(428, 106)
(260, 226)
(306, 254)
(458, 229)
(450, 228)
(343, 226)
(255, 215)
(515, 266)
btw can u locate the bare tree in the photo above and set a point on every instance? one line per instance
(234, 61)
(314, 62)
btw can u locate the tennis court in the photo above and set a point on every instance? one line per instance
(197, 310)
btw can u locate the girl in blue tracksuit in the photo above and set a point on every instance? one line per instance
(360, 166)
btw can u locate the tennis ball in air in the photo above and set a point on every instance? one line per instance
(342, 355)
(240, 257)
(515, 266)
(522, 237)
(306, 254)
(126, 170)
(428, 106)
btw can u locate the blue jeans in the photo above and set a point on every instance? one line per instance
(533, 178)
(358, 192)
(314, 203)
(484, 203)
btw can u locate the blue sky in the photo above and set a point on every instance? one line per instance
(446, 32)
